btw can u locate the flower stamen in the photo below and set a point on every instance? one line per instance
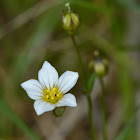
(52, 96)
(53, 89)
(47, 96)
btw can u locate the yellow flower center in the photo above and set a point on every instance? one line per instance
(52, 96)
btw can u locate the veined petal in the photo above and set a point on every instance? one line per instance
(48, 75)
(33, 89)
(67, 81)
(67, 100)
(41, 106)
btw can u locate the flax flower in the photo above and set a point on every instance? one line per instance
(50, 90)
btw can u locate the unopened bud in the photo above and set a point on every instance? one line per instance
(100, 63)
(99, 69)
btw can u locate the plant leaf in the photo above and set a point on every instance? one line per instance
(91, 82)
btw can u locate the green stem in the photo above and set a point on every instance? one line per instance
(79, 58)
(104, 109)
(91, 117)
(85, 82)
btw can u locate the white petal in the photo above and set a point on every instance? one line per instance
(67, 100)
(67, 81)
(33, 89)
(48, 75)
(41, 106)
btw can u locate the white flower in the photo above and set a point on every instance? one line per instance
(49, 91)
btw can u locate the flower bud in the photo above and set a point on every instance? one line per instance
(58, 112)
(99, 69)
(70, 21)
(99, 64)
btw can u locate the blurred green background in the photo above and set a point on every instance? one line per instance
(31, 32)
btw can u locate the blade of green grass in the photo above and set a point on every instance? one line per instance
(14, 118)
(127, 97)
(125, 132)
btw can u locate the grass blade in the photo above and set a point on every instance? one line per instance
(14, 118)
(124, 133)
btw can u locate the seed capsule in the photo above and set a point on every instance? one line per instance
(70, 21)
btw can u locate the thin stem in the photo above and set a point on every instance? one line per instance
(91, 117)
(85, 82)
(79, 58)
(104, 109)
